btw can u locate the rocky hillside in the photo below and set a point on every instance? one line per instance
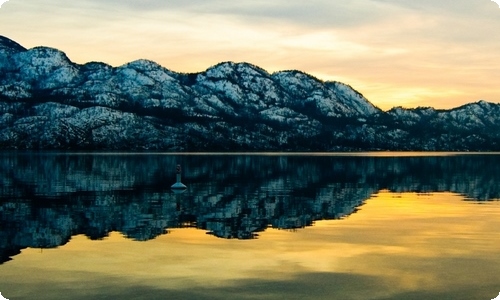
(49, 102)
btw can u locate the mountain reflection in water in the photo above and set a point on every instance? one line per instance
(46, 198)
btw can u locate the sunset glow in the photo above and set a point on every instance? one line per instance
(396, 53)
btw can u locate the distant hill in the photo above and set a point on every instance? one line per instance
(49, 102)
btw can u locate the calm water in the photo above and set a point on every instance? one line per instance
(359, 226)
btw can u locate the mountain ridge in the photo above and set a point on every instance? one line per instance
(49, 102)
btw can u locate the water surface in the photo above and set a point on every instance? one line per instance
(259, 226)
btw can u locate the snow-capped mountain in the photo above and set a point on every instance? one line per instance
(49, 102)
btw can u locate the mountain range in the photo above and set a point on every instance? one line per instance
(49, 102)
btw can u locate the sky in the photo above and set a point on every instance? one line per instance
(395, 52)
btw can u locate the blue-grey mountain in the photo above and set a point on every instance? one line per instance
(49, 102)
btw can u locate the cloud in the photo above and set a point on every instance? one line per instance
(435, 49)
(2, 2)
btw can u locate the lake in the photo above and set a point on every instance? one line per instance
(249, 226)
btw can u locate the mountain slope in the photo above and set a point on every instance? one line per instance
(49, 102)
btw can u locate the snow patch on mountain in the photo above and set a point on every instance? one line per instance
(49, 102)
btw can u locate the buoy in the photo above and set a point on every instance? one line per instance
(178, 185)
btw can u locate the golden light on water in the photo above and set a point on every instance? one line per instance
(397, 244)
